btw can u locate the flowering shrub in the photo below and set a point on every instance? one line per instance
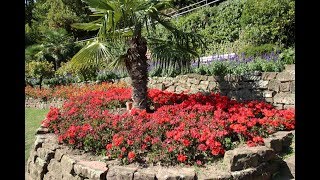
(190, 129)
(66, 92)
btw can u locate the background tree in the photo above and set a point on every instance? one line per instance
(39, 70)
(123, 22)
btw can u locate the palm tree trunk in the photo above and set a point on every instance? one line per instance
(136, 64)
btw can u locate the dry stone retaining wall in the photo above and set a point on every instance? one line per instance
(49, 160)
(277, 88)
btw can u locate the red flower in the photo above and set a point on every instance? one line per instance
(182, 158)
(202, 147)
(131, 155)
(186, 142)
(109, 146)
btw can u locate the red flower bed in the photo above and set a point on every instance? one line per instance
(190, 129)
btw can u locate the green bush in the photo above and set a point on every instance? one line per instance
(268, 21)
(251, 50)
(106, 76)
(287, 56)
(39, 70)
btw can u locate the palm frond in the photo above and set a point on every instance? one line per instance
(92, 54)
(86, 26)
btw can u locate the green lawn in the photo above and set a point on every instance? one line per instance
(33, 118)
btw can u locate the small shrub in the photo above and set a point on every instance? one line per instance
(287, 56)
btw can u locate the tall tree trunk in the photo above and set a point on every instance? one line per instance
(136, 64)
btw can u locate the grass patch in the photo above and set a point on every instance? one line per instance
(33, 118)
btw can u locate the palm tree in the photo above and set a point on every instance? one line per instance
(121, 25)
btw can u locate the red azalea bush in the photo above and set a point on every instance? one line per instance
(68, 91)
(190, 129)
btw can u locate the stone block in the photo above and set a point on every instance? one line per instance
(67, 164)
(232, 78)
(289, 106)
(261, 84)
(285, 77)
(176, 174)
(268, 94)
(42, 130)
(145, 174)
(193, 81)
(247, 157)
(120, 172)
(58, 154)
(250, 78)
(274, 85)
(277, 106)
(171, 88)
(284, 98)
(285, 86)
(293, 87)
(45, 154)
(94, 170)
(268, 75)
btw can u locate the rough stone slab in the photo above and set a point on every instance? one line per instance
(171, 88)
(67, 164)
(273, 143)
(290, 68)
(145, 174)
(247, 157)
(290, 161)
(45, 154)
(204, 85)
(285, 86)
(51, 176)
(94, 170)
(193, 81)
(40, 163)
(293, 87)
(212, 85)
(263, 172)
(159, 86)
(203, 78)
(214, 175)
(176, 174)
(54, 167)
(269, 100)
(120, 172)
(214, 78)
(42, 130)
(244, 94)
(180, 89)
(268, 94)
(262, 84)
(285, 136)
(228, 86)
(285, 76)
(268, 75)
(70, 177)
(289, 106)
(274, 85)
(265, 154)
(50, 146)
(232, 78)
(277, 106)
(58, 154)
(38, 142)
(284, 98)
(250, 78)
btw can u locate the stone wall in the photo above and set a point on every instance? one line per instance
(49, 160)
(277, 88)
(43, 104)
